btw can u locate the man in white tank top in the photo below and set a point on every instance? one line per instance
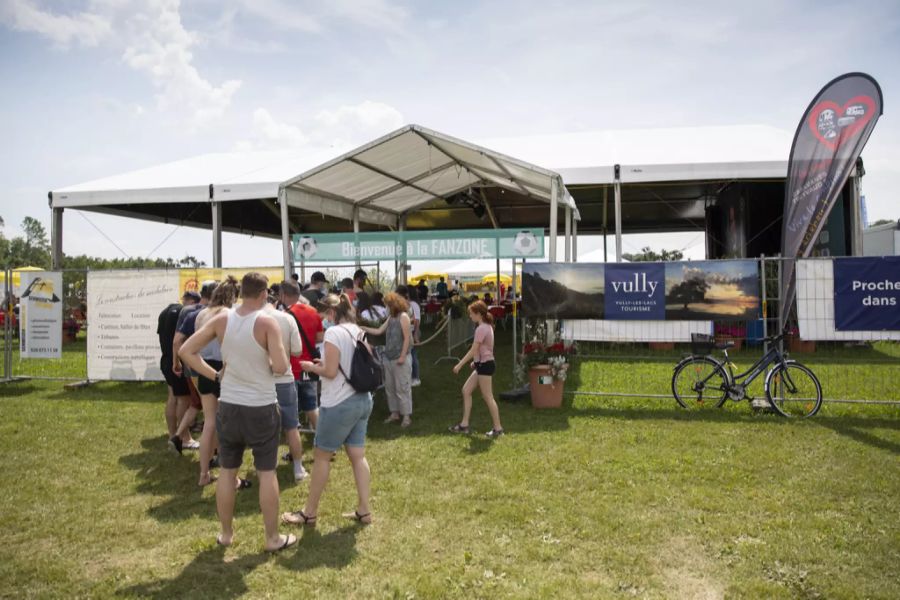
(248, 417)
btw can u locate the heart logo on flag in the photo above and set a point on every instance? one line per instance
(832, 123)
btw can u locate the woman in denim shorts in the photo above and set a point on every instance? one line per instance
(343, 413)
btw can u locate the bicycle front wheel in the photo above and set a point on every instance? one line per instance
(793, 390)
(700, 382)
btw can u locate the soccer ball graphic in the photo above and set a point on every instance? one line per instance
(525, 243)
(307, 247)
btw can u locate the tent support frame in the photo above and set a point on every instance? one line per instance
(56, 238)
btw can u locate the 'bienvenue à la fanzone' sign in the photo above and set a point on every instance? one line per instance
(420, 245)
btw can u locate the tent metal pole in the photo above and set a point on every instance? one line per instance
(554, 217)
(617, 191)
(356, 230)
(856, 224)
(285, 233)
(56, 238)
(574, 240)
(568, 226)
(216, 208)
(515, 317)
(605, 206)
(401, 275)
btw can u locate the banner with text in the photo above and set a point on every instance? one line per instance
(123, 307)
(828, 140)
(451, 244)
(40, 315)
(670, 291)
(867, 294)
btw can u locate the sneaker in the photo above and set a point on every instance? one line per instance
(191, 445)
(495, 433)
(299, 472)
(415, 383)
(286, 457)
(175, 444)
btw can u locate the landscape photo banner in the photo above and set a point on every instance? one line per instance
(450, 244)
(720, 290)
(830, 137)
(40, 315)
(123, 311)
(867, 294)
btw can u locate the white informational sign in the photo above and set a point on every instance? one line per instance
(40, 314)
(123, 310)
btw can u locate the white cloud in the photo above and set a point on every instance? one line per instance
(152, 40)
(357, 123)
(343, 126)
(85, 28)
(269, 133)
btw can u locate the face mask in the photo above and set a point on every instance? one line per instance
(326, 323)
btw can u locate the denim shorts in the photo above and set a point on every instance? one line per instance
(287, 402)
(344, 424)
(307, 395)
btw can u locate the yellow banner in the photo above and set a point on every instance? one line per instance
(192, 279)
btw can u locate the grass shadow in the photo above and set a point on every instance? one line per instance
(335, 549)
(162, 474)
(854, 428)
(118, 391)
(209, 565)
(14, 389)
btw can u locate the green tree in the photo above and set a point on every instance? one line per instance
(648, 255)
(691, 290)
(32, 249)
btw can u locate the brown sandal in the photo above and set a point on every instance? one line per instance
(299, 518)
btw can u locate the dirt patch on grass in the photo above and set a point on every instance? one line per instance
(686, 571)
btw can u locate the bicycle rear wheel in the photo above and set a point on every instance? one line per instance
(793, 390)
(699, 382)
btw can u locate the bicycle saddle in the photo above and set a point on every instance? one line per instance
(724, 345)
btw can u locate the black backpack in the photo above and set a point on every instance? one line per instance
(365, 371)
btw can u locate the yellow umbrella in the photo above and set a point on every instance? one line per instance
(492, 277)
(428, 276)
(16, 277)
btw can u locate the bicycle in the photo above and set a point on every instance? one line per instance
(701, 381)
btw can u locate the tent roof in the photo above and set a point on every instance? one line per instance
(656, 155)
(413, 167)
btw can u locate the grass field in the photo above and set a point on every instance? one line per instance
(605, 498)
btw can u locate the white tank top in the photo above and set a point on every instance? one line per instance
(248, 378)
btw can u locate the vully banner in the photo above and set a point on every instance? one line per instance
(867, 294)
(830, 137)
(673, 291)
(40, 315)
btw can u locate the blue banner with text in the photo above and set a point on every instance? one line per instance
(867, 294)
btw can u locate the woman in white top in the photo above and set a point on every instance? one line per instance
(343, 413)
(222, 299)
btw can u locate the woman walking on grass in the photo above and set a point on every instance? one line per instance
(482, 356)
(398, 363)
(223, 298)
(343, 413)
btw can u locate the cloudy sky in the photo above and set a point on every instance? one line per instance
(98, 87)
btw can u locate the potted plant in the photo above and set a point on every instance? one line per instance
(546, 365)
(795, 344)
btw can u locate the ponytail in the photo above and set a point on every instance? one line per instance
(225, 293)
(480, 308)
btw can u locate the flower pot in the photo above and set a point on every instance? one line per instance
(546, 392)
(662, 345)
(795, 344)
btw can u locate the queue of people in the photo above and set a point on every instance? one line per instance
(254, 367)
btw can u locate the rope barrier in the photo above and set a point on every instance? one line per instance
(437, 332)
